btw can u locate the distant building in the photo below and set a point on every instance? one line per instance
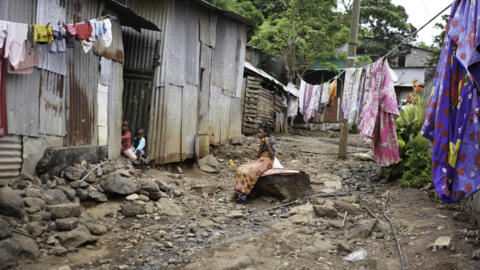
(409, 66)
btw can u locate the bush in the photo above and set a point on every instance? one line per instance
(418, 168)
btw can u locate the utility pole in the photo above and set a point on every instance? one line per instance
(352, 53)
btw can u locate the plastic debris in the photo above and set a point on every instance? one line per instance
(356, 256)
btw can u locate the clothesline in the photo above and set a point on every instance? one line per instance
(20, 40)
(401, 43)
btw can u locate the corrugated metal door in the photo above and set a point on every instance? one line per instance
(136, 101)
(10, 158)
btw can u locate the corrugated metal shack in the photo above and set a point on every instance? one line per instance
(192, 72)
(262, 100)
(180, 78)
(70, 99)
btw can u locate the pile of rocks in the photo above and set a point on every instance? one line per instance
(45, 215)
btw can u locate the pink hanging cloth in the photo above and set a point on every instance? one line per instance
(379, 113)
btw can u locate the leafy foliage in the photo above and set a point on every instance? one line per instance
(418, 166)
(384, 26)
(304, 31)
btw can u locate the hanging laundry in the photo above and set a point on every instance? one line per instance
(99, 28)
(3, 32)
(350, 93)
(333, 93)
(15, 43)
(59, 43)
(3, 97)
(452, 120)
(307, 97)
(106, 38)
(362, 92)
(42, 33)
(301, 95)
(26, 66)
(71, 35)
(312, 108)
(325, 93)
(379, 113)
(292, 106)
(87, 44)
(83, 30)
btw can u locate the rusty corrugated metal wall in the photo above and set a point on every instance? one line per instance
(82, 81)
(10, 157)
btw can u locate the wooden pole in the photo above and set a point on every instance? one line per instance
(352, 53)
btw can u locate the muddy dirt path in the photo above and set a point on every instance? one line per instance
(201, 232)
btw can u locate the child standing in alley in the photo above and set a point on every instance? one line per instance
(139, 144)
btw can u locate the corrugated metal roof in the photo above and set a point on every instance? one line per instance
(130, 18)
(265, 75)
(226, 13)
(10, 157)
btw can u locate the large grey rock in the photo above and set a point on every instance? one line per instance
(82, 194)
(74, 173)
(209, 164)
(65, 210)
(318, 247)
(34, 202)
(168, 208)
(132, 209)
(9, 253)
(96, 195)
(28, 246)
(56, 160)
(55, 196)
(151, 187)
(325, 211)
(96, 229)
(363, 229)
(284, 187)
(35, 228)
(5, 230)
(11, 203)
(76, 238)
(41, 216)
(69, 192)
(66, 224)
(120, 185)
(79, 184)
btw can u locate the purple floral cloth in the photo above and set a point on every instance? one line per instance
(452, 120)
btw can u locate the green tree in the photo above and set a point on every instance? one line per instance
(304, 31)
(244, 8)
(383, 26)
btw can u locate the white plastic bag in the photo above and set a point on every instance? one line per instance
(276, 164)
(356, 256)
